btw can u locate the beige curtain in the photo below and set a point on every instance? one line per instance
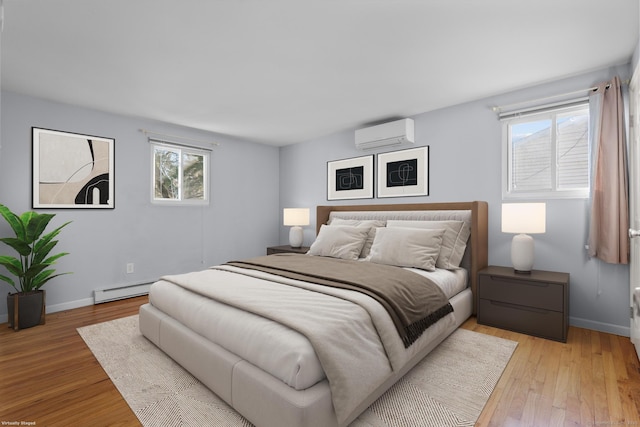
(609, 224)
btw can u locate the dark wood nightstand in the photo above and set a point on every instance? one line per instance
(535, 304)
(286, 248)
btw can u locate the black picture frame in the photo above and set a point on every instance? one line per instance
(350, 178)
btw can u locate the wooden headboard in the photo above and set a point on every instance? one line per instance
(479, 240)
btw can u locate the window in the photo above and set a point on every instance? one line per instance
(180, 174)
(547, 154)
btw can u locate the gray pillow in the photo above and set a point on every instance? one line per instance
(370, 224)
(407, 247)
(454, 240)
(339, 241)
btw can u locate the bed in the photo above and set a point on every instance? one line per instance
(272, 344)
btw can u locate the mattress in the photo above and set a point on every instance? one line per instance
(284, 353)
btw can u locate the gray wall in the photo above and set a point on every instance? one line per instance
(635, 60)
(251, 183)
(465, 164)
(240, 222)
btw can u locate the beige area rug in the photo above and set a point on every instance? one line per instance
(448, 388)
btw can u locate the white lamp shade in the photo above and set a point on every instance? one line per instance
(296, 216)
(527, 218)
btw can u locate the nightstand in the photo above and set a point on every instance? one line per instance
(286, 248)
(535, 304)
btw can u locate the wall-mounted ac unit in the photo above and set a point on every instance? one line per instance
(386, 134)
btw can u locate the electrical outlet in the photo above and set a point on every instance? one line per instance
(130, 268)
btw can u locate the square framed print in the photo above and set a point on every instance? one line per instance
(404, 173)
(72, 170)
(350, 178)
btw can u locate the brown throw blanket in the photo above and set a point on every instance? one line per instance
(413, 301)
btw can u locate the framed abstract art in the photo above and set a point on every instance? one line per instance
(350, 178)
(72, 170)
(404, 173)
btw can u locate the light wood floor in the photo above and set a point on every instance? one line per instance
(49, 377)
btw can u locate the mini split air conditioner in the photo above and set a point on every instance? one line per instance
(385, 134)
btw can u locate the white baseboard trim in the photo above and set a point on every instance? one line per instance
(53, 308)
(105, 295)
(69, 305)
(609, 328)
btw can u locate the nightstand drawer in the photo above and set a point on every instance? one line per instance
(532, 321)
(543, 295)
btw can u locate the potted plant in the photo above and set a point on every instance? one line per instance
(32, 267)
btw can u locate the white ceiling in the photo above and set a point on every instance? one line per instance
(285, 71)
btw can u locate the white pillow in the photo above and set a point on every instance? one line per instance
(454, 240)
(370, 224)
(407, 247)
(339, 241)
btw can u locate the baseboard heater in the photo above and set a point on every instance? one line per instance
(122, 292)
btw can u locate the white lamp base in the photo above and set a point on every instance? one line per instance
(296, 237)
(522, 253)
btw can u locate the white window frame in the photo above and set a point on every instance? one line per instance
(180, 149)
(553, 193)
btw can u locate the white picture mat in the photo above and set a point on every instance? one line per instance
(421, 155)
(365, 193)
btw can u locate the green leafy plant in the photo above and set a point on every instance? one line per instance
(32, 267)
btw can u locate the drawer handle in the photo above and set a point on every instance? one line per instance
(520, 282)
(520, 307)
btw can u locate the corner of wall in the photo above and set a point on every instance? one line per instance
(635, 58)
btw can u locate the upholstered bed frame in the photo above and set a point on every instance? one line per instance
(478, 251)
(267, 401)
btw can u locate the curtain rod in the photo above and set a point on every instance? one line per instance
(184, 138)
(500, 108)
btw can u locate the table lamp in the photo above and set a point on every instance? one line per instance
(523, 219)
(296, 218)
